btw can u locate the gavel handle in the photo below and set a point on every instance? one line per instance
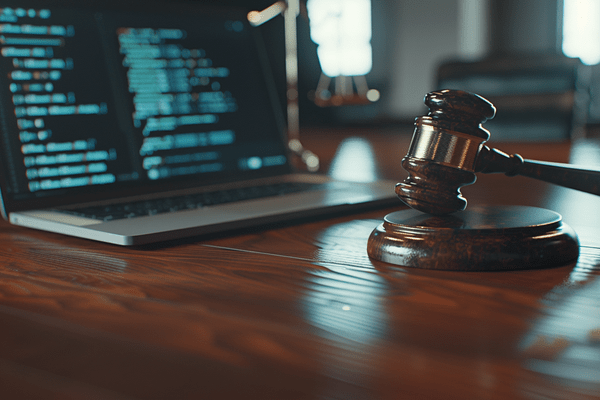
(567, 175)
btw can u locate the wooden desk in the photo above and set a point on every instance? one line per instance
(300, 312)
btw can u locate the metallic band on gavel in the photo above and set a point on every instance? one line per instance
(444, 147)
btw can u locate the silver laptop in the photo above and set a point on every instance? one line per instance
(134, 126)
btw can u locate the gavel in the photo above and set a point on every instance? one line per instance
(448, 149)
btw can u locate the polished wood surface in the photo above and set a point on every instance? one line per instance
(299, 311)
(483, 238)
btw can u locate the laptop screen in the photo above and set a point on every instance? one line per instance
(99, 102)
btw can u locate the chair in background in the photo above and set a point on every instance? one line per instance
(538, 97)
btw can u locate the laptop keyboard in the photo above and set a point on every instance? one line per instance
(188, 202)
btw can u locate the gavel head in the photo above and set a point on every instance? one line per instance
(443, 151)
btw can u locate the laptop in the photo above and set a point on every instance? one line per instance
(137, 122)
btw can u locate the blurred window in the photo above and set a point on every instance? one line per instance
(581, 30)
(342, 31)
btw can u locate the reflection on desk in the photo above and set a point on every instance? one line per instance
(299, 311)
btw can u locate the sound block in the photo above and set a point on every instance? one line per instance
(477, 239)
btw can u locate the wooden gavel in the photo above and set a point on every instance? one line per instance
(447, 149)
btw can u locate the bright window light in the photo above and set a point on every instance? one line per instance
(342, 31)
(354, 161)
(581, 30)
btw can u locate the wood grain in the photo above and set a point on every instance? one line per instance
(293, 311)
